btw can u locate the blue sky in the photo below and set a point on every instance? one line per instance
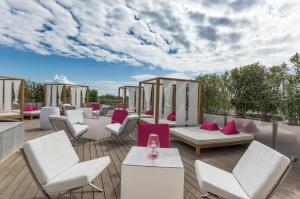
(105, 44)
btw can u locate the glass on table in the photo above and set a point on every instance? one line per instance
(153, 144)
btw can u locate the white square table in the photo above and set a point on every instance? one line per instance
(97, 129)
(159, 178)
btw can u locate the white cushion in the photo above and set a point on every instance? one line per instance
(203, 137)
(77, 176)
(219, 182)
(79, 129)
(114, 128)
(75, 116)
(50, 155)
(259, 170)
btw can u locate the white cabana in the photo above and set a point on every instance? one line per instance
(173, 95)
(11, 98)
(57, 94)
(130, 96)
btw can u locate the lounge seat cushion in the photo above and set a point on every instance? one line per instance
(50, 155)
(259, 170)
(80, 129)
(75, 116)
(78, 175)
(203, 137)
(219, 182)
(114, 128)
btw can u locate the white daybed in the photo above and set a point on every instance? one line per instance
(200, 138)
(161, 121)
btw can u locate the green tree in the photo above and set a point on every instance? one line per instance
(93, 95)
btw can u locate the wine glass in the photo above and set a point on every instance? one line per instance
(153, 143)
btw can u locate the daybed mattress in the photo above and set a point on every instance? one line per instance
(32, 113)
(13, 113)
(203, 137)
(161, 121)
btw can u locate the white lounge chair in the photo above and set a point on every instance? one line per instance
(75, 130)
(75, 116)
(55, 166)
(104, 110)
(126, 127)
(256, 176)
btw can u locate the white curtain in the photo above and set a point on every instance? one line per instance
(193, 104)
(168, 93)
(17, 84)
(131, 99)
(160, 100)
(59, 89)
(1, 95)
(180, 103)
(147, 90)
(73, 96)
(137, 100)
(84, 90)
(7, 95)
(54, 96)
(78, 97)
(48, 95)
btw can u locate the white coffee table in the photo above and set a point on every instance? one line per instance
(160, 178)
(97, 129)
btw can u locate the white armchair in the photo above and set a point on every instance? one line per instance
(256, 176)
(75, 130)
(55, 166)
(125, 128)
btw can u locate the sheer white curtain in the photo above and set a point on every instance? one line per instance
(78, 97)
(147, 90)
(73, 96)
(168, 93)
(193, 104)
(17, 84)
(83, 90)
(131, 99)
(59, 89)
(54, 96)
(48, 95)
(1, 95)
(7, 95)
(180, 103)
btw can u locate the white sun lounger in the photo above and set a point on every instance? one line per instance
(200, 138)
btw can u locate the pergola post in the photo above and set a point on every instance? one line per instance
(157, 85)
(22, 95)
(140, 98)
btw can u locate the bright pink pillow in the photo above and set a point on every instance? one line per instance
(34, 108)
(172, 116)
(96, 106)
(209, 126)
(230, 128)
(149, 113)
(28, 108)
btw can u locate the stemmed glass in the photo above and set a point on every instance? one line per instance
(153, 143)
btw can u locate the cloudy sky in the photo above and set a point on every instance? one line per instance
(109, 43)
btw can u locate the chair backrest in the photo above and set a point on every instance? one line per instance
(68, 107)
(119, 116)
(87, 112)
(104, 109)
(128, 124)
(162, 130)
(62, 123)
(50, 155)
(75, 116)
(260, 170)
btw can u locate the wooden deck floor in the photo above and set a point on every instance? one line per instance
(16, 182)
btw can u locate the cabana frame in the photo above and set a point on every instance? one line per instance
(156, 82)
(125, 88)
(66, 97)
(21, 96)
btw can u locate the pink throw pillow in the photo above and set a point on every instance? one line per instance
(172, 116)
(96, 106)
(149, 112)
(209, 126)
(28, 108)
(230, 129)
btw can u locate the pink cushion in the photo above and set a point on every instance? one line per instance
(162, 130)
(149, 112)
(119, 116)
(96, 106)
(34, 107)
(28, 107)
(209, 126)
(172, 116)
(230, 128)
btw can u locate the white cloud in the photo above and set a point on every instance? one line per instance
(60, 79)
(181, 36)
